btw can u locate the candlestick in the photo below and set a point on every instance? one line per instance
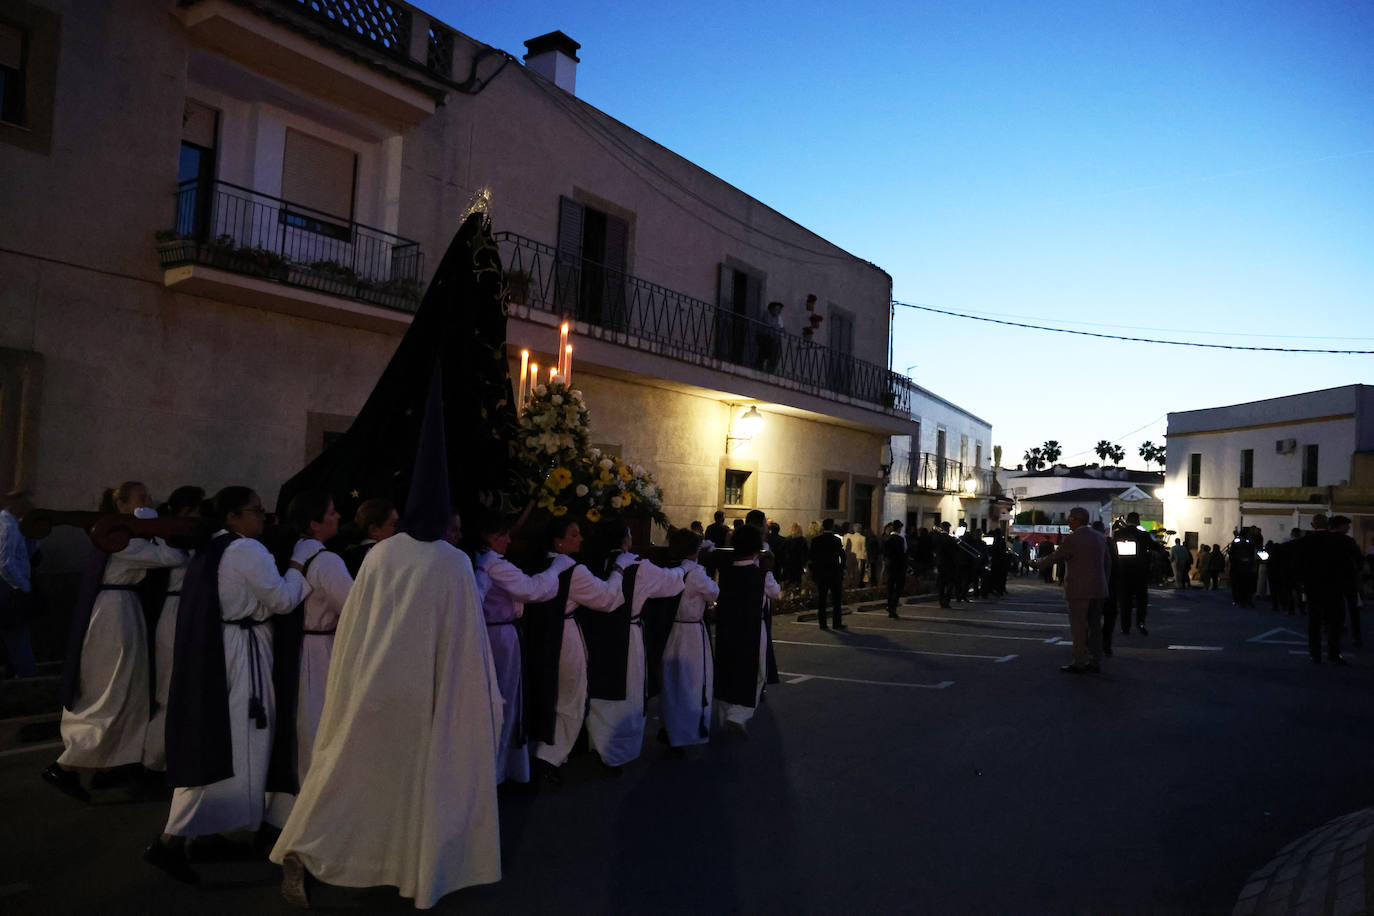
(567, 365)
(524, 368)
(534, 378)
(553, 373)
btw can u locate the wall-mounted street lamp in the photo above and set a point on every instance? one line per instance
(970, 485)
(747, 426)
(885, 460)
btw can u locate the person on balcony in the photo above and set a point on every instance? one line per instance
(770, 338)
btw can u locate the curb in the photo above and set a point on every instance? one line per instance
(1326, 871)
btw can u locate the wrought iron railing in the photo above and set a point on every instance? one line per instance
(237, 229)
(927, 471)
(669, 322)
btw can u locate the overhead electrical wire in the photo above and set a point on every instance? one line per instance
(1148, 340)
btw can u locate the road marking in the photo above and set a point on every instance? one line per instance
(832, 645)
(800, 678)
(1198, 648)
(1000, 623)
(46, 746)
(1266, 637)
(1000, 609)
(890, 629)
(1005, 658)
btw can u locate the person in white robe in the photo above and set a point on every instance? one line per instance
(504, 589)
(106, 725)
(615, 728)
(737, 715)
(185, 502)
(250, 592)
(402, 784)
(314, 517)
(588, 591)
(688, 670)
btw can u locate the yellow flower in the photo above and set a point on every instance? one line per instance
(546, 500)
(593, 515)
(559, 510)
(559, 478)
(625, 472)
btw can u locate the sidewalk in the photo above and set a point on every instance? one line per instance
(1328, 871)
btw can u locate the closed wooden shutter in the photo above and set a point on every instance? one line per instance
(318, 175)
(198, 124)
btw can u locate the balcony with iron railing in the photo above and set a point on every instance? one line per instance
(651, 317)
(932, 473)
(235, 229)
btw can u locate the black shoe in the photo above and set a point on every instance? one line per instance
(824, 627)
(1093, 668)
(895, 616)
(67, 782)
(1073, 669)
(1143, 631)
(172, 861)
(840, 626)
(295, 881)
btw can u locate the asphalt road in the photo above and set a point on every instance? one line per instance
(939, 763)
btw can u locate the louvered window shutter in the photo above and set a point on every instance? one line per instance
(318, 175)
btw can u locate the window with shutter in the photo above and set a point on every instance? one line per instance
(317, 181)
(593, 257)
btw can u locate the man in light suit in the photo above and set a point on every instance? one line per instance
(1087, 564)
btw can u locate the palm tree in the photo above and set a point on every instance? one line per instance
(1051, 450)
(1152, 453)
(1103, 449)
(1117, 454)
(1034, 459)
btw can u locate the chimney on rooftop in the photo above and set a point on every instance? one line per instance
(554, 57)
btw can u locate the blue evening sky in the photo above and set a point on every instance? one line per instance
(1196, 171)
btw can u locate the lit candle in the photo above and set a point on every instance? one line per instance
(524, 368)
(567, 364)
(562, 344)
(534, 377)
(553, 374)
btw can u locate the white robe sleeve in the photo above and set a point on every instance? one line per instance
(771, 589)
(593, 593)
(151, 554)
(655, 582)
(698, 582)
(329, 576)
(276, 593)
(520, 587)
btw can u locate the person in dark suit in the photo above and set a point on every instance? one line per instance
(946, 564)
(1350, 574)
(894, 560)
(827, 570)
(718, 533)
(1134, 549)
(1321, 561)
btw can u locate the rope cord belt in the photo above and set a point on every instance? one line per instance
(257, 710)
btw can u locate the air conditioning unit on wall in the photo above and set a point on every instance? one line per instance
(1285, 446)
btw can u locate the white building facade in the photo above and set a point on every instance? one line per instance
(1272, 464)
(942, 471)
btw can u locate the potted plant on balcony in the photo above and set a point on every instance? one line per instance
(517, 286)
(332, 277)
(173, 248)
(263, 261)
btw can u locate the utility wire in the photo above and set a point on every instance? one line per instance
(1149, 340)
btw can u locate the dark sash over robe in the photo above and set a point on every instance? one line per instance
(288, 641)
(608, 643)
(739, 621)
(658, 615)
(92, 577)
(542, 645)
(199, 745)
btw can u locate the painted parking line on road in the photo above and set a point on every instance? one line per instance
(857, 648)
(892, 629)
(1000, 623)
(1198, 648)
(796, 678)
(1269, 637)
(1056, 608)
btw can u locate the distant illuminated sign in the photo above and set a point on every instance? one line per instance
(1125, 548)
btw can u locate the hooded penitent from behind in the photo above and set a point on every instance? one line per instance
(402, 786)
